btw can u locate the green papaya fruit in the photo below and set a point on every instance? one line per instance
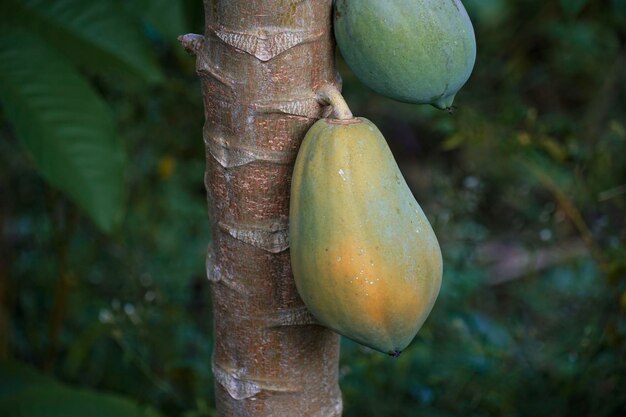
(365, 259)
(416, 51)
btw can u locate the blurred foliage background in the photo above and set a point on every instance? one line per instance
(104, 301)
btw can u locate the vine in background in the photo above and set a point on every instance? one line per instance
(64, 218)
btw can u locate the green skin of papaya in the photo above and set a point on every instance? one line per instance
(365, 259)
(415, 51)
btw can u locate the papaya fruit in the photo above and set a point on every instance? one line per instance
(365, 259)
(415, 51)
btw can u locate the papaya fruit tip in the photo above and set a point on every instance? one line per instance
(395, 353)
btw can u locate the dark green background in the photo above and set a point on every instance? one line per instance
(525, 186)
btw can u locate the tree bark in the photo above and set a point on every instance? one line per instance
(261, 63)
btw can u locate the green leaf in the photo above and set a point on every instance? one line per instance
(573, 7)
(15, 377)
(78, 351)
(546, 171)
(44, 397)
(166, 16)
(100, 35)
(65, 126)
(488, 13)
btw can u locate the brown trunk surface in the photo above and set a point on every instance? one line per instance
(261, 63)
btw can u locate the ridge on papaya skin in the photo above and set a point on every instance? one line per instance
(365, 259)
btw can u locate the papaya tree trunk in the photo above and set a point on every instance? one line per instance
(261, 63)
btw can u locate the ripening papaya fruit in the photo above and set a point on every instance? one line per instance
(416, 51)
(365, 259)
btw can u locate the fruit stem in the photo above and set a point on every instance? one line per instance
(329, 94)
